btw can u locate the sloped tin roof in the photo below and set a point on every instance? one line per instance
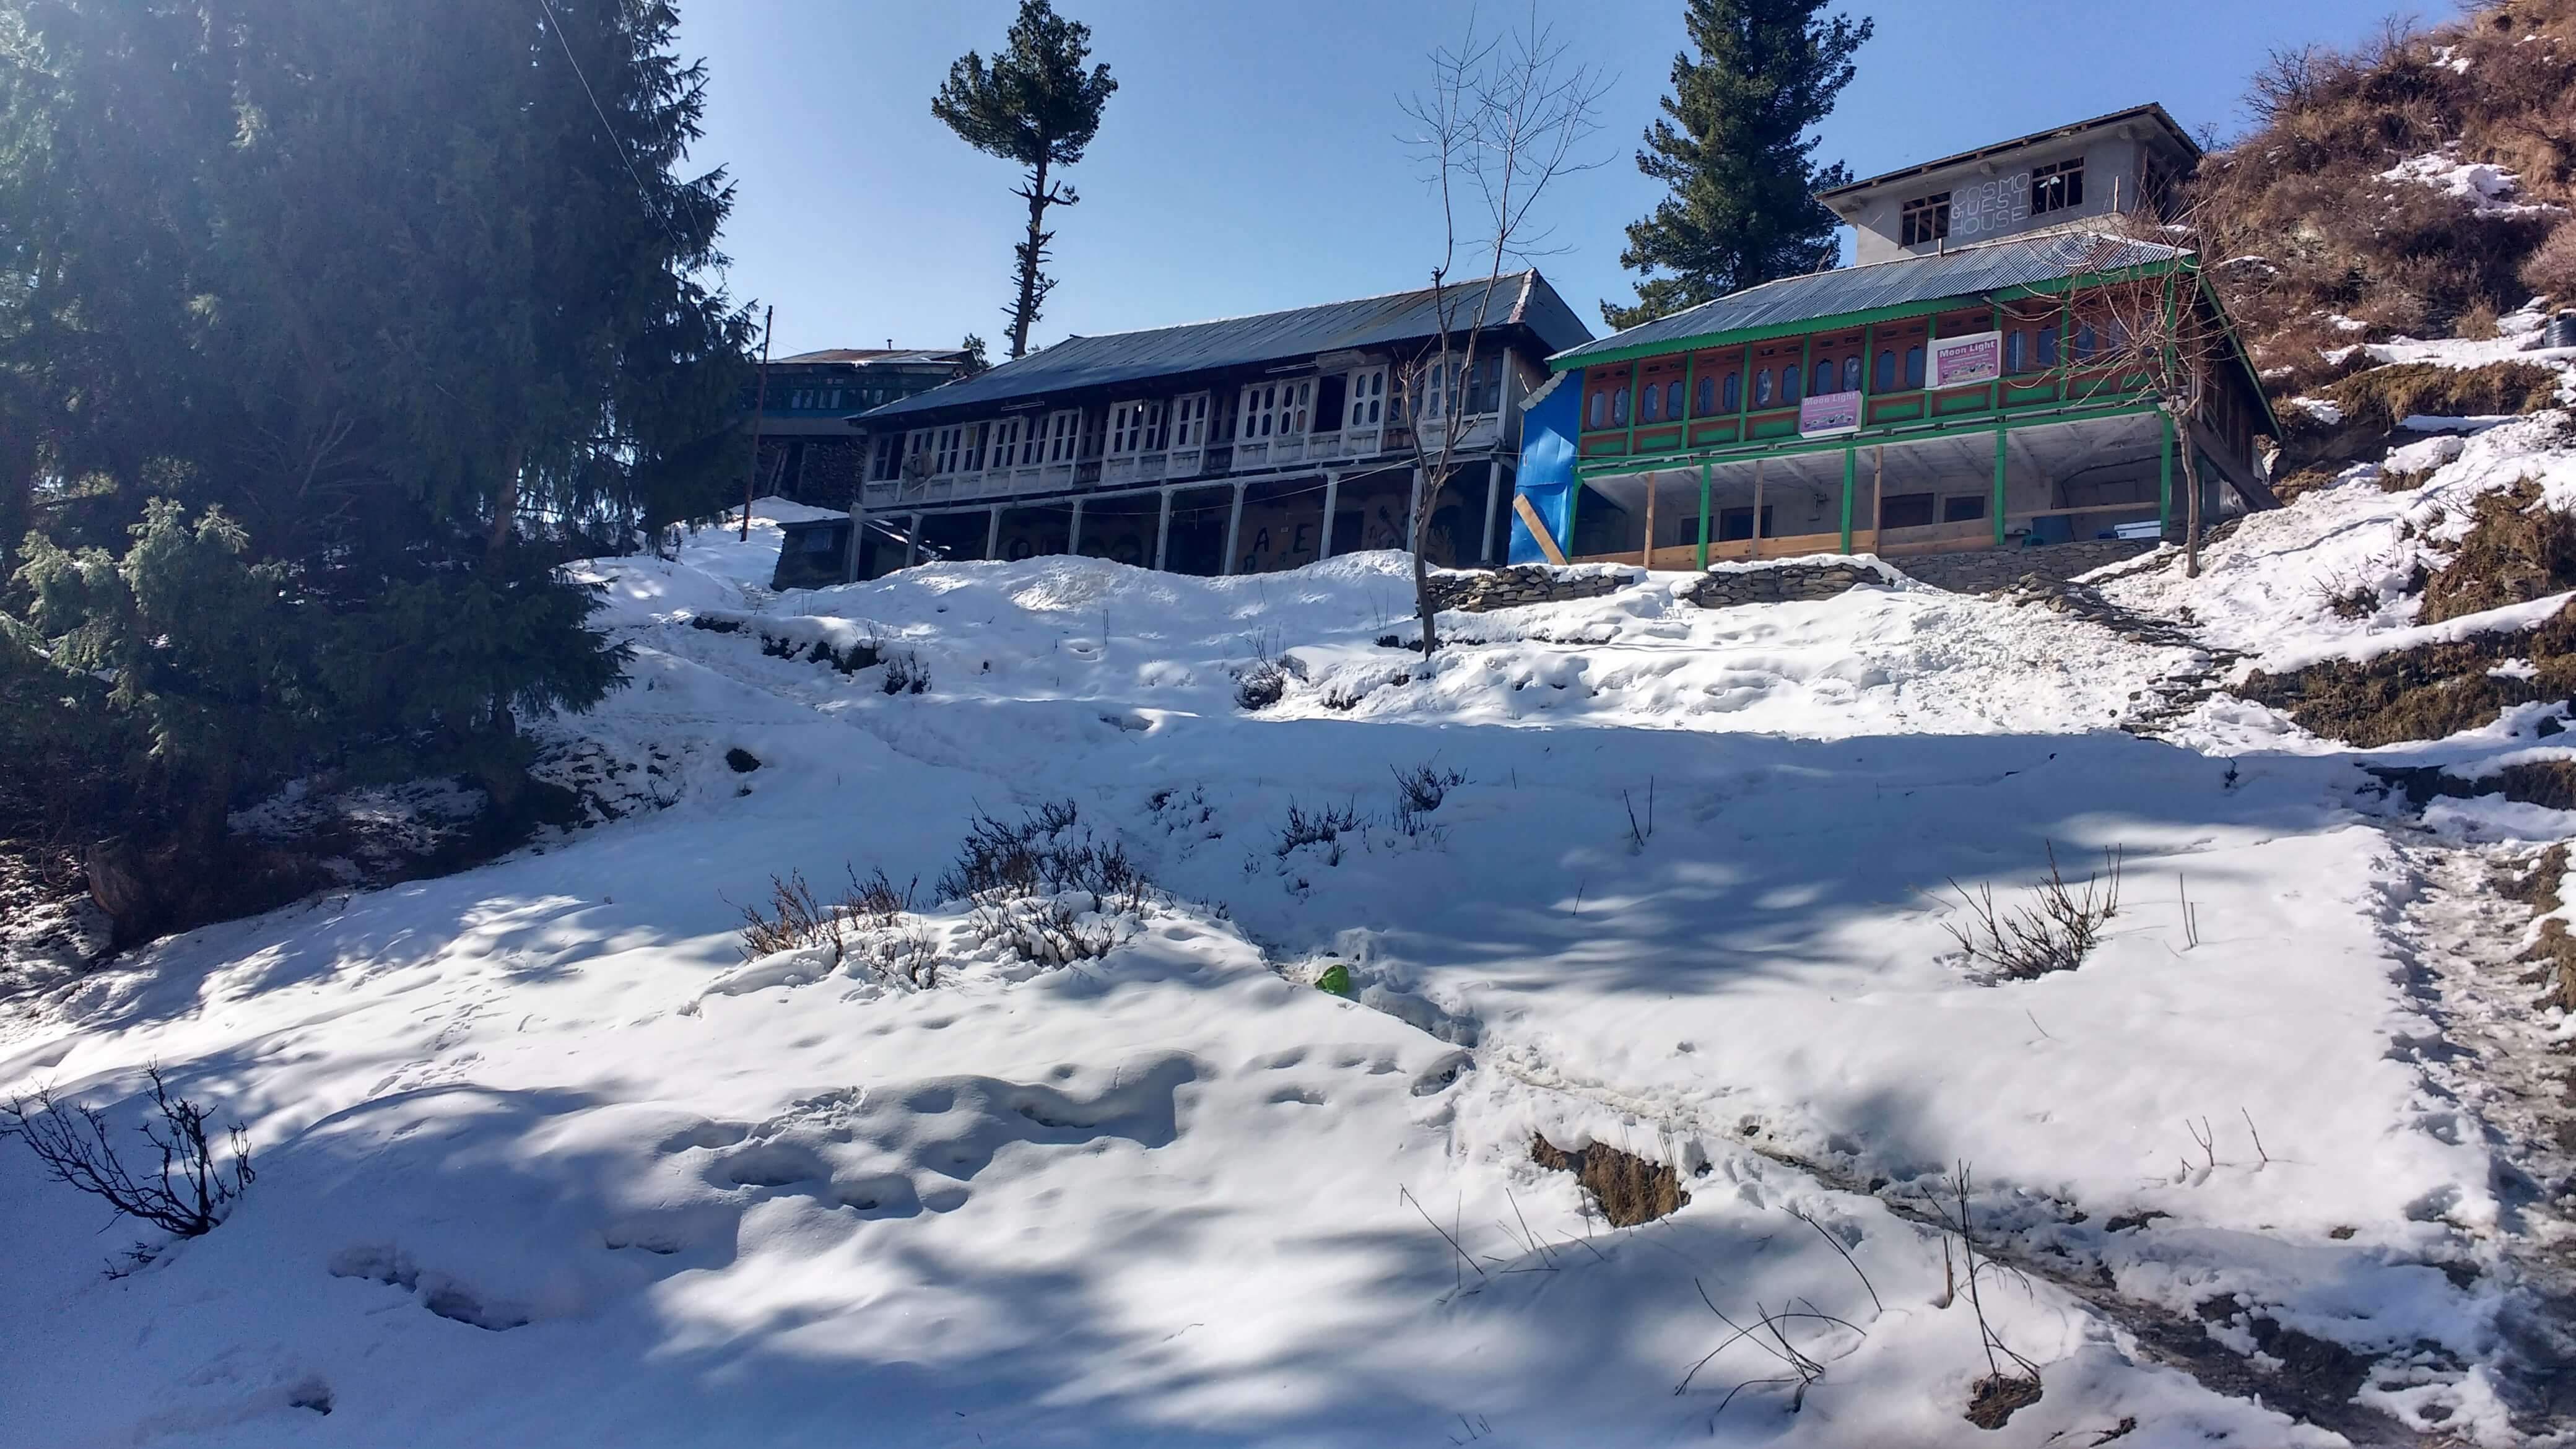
(1524, 298)
(1967, 272)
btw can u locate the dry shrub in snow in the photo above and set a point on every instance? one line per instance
(2055, 932)
(2550, 270)
(870, 910)
(186, 1194)
(1043, 888)
(2383, 397)
(2516, 550)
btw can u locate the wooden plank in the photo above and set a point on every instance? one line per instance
(1646, 555)
(1538, 528)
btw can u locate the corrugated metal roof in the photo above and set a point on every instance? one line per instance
(870, 355)
(1967, 272)
(1085, 362)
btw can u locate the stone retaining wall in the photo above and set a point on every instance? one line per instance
(1516, 584)
(1986, 570)
(1722, 588)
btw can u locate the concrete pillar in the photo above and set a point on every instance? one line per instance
(858, 527)
(1163, 532)
(912, 545)
(1073, 530)
(1332, 495)
(1233, 530)
(993, 535)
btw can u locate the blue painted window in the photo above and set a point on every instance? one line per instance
(1619, 408)
(1851, 373)
(1734, 397)
(1788, 383)
(1762, 388)
(1914, 366)
(1707, 396)
(1886, 380)
(1673, 399)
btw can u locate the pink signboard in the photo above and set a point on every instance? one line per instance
(1965, 361)
(1831, 412)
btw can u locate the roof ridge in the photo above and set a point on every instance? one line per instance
(1284, 311)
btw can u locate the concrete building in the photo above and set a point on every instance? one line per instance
(1245, 445)
(1938, 396)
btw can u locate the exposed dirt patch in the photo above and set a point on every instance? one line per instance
(2383, 397)
(2514, 552)
(2550, 784)
(1629, 1189)
(2427, 693)
(1994, 1399)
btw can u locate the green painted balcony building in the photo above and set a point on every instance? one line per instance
(1943, 397)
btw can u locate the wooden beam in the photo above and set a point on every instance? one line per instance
(1646, 558)
(1537, 527)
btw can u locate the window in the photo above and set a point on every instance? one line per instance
(1906, 510)
(1914, 366)
(888, 460)
(2047, 347)
(1824, 377)
(2058, 187)
(1967, 508)
(1851, 373)
(2083, 341)
(1599, 416)
(1135, 427)
(1006, 441)
(1886, 381)
(1673, 399)
(1276, 409)
(1619, 408)
(1924, 219)
(1189, 421)
(946, 448)
(2015, 344)
(1788, 383)
(1706, 402)
(1762, 388)
(1063, 436)
(1367, 406)
(1733, 399)
(1650, 404)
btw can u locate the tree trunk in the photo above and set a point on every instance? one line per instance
(1421, 561)
(505, 509)
(1025, 313)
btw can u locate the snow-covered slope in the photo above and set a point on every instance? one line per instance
(543, 1160)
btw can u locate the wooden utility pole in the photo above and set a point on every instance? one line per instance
(759, 404)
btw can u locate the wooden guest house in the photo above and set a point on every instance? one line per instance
(1246, 445)
(1948, 392)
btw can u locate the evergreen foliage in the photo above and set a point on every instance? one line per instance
(1734, 149)
(325, 330)
(1036, 105)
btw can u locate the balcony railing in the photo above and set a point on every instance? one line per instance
(1163, 465)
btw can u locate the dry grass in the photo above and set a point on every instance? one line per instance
(2303, 191)
(2550, 271)
(1629, 1189)
(2383, 397)
(2423, 694)
(2515, 551)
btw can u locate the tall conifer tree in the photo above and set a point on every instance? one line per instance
(1734, 148)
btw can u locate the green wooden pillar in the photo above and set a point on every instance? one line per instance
(2164, 474)
(1703, 517)
(2000, 434)
(1851, 471)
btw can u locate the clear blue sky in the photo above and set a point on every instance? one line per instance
(1250, 160)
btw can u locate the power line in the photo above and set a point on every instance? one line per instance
(645, 193)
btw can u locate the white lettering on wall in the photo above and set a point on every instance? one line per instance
(1990, 208)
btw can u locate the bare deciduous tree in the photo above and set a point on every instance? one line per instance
(2145, 328)
(185, 1197)
(1502, 120)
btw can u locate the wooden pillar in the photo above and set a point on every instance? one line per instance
(1703, 517)
(2001, 434)
(1073, 531)
(912, 545)
(1851, 466)
(1163, 532)
(1494, 474)
(1646, 559)
(993, 534)
(1332, 496)
(858, 527)
(1233, 530)
(1753, 548)
(1878, 499)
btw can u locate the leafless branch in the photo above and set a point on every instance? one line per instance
(186, 1196)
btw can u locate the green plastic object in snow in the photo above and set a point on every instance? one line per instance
(1336, 979)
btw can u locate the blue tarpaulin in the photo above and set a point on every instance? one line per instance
(1546, 475)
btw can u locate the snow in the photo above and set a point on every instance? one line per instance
(2486, 187)
(543, 1159)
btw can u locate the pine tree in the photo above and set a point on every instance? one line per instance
(1733, 147)
(1034, 104)
(377, 294)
